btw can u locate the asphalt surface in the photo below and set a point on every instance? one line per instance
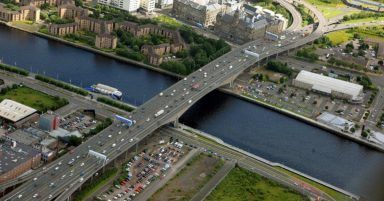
(112, 141)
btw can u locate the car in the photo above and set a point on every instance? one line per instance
(131, 140)
(190, 101)
(109, 136)
(34, 179)
(113, 145)
(119, 132)
(81, 179)
(50, 196)
(20, 196)
(82, 164)
(35, 195)
(56, 168)
(104, 151)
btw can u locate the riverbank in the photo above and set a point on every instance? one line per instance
(304, 119)
(227, 91)
(91, 49)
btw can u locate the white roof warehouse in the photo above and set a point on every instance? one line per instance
(328, 85)
(14, 111)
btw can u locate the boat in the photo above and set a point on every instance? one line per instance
(107, 90)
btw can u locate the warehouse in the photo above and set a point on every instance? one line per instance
(335, 122)
(16, 113)
(330, 86)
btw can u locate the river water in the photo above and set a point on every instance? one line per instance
(260, 131)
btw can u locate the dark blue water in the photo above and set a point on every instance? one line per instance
(255, 129)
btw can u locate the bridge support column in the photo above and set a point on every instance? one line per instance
(137, 147)
(176, 123)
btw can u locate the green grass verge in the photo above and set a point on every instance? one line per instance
(339, 37)
(32, 98)
(95, 185)
(335, 194)
(168, 21)
(61, 84)
(113, 103)
(331, 8)
(13, 69)
(241, 184)
(370, 19)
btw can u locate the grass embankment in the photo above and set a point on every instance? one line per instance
(331, 8)
(13, 69)
(32, 98)
(116, 104)
(334, 194)
(241, 184)
(198, 171)
(61, 84)
(339, 37)
(95, 185)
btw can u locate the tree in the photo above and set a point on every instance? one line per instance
(74, 140)
(381, 62)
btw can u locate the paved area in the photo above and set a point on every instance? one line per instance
(214, 181)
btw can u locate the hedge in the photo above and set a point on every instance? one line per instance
(115, 104)
(13, 69)
(62, 85)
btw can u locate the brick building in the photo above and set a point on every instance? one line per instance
(63, 29)
(30, 13)
(106, 41)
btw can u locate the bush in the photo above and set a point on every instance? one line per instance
(279, 67)
(62, 85)
(13, 69)
(308, 54)
(115, 104)
(107, 122)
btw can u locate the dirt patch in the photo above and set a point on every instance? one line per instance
(189, 180)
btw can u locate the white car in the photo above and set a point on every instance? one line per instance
(35, 195)
(131, 140)
(190, 101)
(82, 164)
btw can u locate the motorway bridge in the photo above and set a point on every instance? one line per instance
(59, 180)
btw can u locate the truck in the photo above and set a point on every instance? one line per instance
(160, 112)
(245, 51)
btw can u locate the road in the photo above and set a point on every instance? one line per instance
(175, 100)
(246, 162)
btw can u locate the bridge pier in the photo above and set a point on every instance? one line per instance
(176, 123)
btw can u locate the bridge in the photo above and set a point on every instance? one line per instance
(59, 180)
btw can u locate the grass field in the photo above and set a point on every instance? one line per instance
(32, 98)
(339, 37)
(370, 19)
(169, 21)
(241, 184)
(331, 8)
(189, 180)
(335, 194)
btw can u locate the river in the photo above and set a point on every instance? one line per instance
(260, 131)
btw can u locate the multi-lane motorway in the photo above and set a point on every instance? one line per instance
(61, 177)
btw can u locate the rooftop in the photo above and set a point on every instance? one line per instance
(10, 157)
(327, 84)
(14, 111)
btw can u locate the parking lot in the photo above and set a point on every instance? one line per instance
(140, 171)
(78, 121)
(303, 102)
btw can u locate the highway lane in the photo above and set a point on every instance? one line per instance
(142, 128)
(245, 161)
(296, 16)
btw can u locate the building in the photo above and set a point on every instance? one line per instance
(163, 3)
(49, 122)
(335, 122)
(248, 23)
(127, 5)
(330, 86)
(71, 11)
(63, 29)
(97, 26)
(16, 113)
(16, 159)
(200, 12)
(38, 3)
(106, 41)
(147, 5)
(29, 13)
